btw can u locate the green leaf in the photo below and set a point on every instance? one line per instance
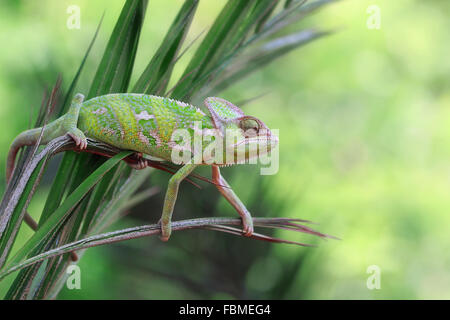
(265, 54)
(289, 15)
(260, 12)
(157, 74)
(59, 186)
(73, 84)
(114, 71)
(214, 44)
(62, 179)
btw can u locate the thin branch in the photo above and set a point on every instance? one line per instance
(217, 224)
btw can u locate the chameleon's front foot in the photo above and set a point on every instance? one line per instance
(70, 122)
(247, 226)
(78, 136)
(166, 230)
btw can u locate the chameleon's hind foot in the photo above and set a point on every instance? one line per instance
(78, 136)
(70, 122)
(142, 163)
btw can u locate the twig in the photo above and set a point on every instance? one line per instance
(217, 224)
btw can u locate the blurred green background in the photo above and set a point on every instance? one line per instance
(364, 119)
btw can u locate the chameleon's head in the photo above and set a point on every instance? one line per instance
(245, 137)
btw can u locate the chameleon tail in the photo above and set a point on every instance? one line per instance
(29, 138)
(26, 138)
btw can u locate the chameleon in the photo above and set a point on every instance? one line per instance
(146, 124)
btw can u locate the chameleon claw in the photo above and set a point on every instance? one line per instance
(248, 229)
(166, 230)
(164, 238)
(80, 140)
(247, 225)
(75, 138)
(83, 145)
(141, 164)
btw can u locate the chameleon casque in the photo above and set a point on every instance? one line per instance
(145, 124)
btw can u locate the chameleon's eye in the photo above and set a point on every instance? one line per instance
(250, 126)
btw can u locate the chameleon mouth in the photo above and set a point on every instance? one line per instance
(252, 148)
(271, 141)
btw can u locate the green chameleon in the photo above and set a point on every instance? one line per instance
(146, 124)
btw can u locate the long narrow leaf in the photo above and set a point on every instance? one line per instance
(264, 55)
(114, 71)
(156, 76)
(214, 43)
(218, 224)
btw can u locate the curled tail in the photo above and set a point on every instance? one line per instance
(26, 138)
(29, 138)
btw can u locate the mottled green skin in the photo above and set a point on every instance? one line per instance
(139, 122)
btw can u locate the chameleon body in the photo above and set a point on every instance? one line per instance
(146, 124)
